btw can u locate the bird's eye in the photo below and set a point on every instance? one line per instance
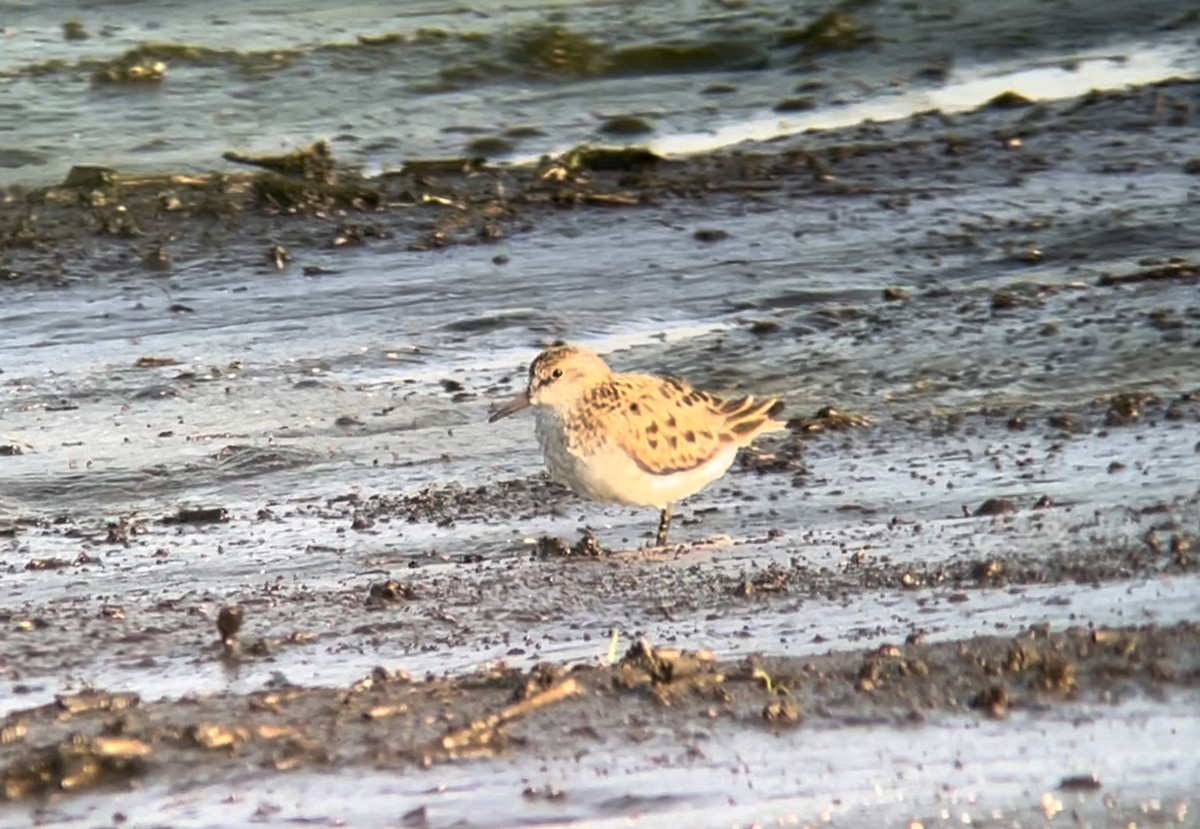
(556, 373)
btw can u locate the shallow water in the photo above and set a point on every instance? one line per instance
(538, 76)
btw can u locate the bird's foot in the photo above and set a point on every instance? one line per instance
(660, 548)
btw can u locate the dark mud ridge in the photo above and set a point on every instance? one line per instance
(96, 738)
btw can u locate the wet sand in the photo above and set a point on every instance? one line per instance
(972, 597)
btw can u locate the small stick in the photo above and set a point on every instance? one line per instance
(477, 732)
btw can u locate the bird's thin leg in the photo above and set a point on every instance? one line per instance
(664, 522)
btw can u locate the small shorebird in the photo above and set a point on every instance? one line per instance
(634, 439)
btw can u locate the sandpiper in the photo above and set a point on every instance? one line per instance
(634, 439)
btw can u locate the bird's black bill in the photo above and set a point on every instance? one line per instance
(521, 401)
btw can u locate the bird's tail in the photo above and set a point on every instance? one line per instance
(748, 417)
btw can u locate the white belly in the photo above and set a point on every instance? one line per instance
(603, 472)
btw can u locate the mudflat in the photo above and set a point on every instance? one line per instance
(264, 560)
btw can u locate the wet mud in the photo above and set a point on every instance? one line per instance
(96, 738)
(262, 573)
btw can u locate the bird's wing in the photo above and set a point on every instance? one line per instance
(666, 426)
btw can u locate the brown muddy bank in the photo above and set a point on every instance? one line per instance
(95, 738)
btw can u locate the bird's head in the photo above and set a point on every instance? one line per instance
(558, 377)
